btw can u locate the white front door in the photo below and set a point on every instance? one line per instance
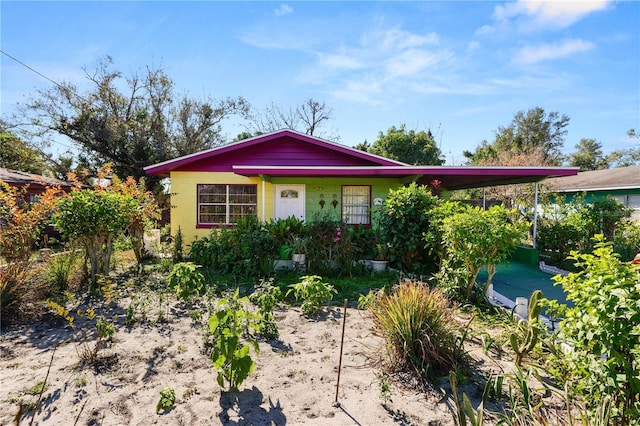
(289, 201)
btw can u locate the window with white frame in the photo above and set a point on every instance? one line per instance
(356, 204)
(226, 204)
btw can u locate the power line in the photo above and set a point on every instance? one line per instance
(31, 69)
(57, 142)
(60, 86)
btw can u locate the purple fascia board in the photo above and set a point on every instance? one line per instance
(403, 171)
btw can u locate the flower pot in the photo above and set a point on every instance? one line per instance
(299, 261)
(378, 265)
(285, 252)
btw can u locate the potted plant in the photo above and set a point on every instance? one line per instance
(299, 245)
(381, 259)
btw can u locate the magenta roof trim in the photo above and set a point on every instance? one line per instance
(447, 176)
(404, 171)
(165, 167)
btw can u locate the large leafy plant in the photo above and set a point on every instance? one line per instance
(480, 238)
(313, 292)
(230, 328)
(603, 330)
(186, 280)
(404, 223)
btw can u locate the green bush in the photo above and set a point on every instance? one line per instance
(433, 236)
(603, 216)
(557, 239)
(404, 223)
(204, 251)
(627, 240)
(568, 226)
(266, 296)
(167, 400)
(187, 281)
(313, 292)
(259, 250)
(480, 238)
(230, 355)
(329, 247)
(602, 329)
(418, 325)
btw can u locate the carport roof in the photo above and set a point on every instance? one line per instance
(449, 177)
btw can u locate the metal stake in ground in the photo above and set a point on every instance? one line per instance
(344, 322)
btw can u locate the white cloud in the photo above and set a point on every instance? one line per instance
(548, 13)
(543, 52)
(399, 39)
(339, 61)
(284, 9)
(412, 62)
(473, 45)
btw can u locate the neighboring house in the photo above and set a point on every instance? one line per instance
(286, 173)
(33, 185)
(622, 184)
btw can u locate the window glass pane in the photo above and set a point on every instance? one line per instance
(215, 207)
(356, 204)
(633, 201)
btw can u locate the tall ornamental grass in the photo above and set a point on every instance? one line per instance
(418, 325)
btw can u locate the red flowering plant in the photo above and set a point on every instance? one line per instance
(330, 246)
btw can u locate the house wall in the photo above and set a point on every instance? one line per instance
(184, 199)
(330, 187)
(184, 196)
(629, 197)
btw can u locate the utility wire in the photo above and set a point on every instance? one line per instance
(60, 86)
(48, 79)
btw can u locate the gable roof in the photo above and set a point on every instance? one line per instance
(281, 148)
(290, 153)
(18, 178)
(599, 180)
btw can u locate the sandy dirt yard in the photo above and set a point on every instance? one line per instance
(294, 381)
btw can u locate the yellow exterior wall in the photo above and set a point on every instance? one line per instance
(184, 199)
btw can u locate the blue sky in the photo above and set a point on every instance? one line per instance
(460, 68)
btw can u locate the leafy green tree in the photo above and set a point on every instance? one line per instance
(588, 156)
(16, 154)
(94, 218)
(480, 238)
(132, 122)
(534, 134)
(626, 157)
(603, 215)
(408, 146)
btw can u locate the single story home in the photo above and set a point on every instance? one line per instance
(287, 173)
(622, 184)
(32, 184)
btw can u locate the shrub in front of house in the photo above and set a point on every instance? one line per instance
(404, 223)
(330, 249)
(418, 325)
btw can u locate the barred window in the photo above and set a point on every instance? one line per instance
(356, 204)
(226, 204)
